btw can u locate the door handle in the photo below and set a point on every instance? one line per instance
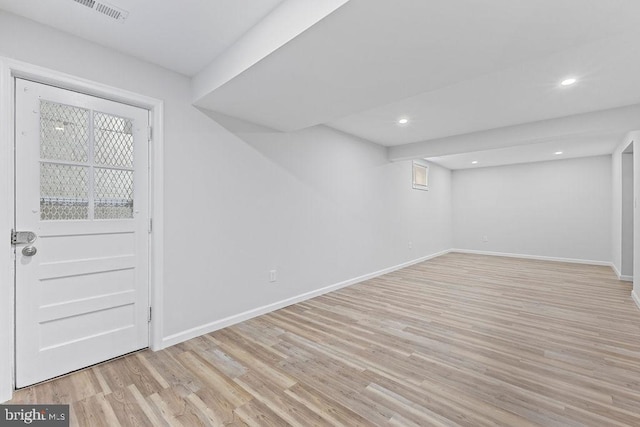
(29, 251)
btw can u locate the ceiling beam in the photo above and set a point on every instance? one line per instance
(283, 24)
(623, 119)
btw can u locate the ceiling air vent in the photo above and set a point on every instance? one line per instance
(105, 9)
(88, 3)
(111, 12)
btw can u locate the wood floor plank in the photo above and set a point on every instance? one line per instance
(126, 408)
(279, 402)
(459, 340)
(257, 414)
(222, 410)
(325, 406)
(215, 379)
(145, 407)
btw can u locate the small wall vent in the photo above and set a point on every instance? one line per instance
(105, 9)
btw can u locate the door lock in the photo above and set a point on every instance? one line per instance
(29, 251)
(22, 237)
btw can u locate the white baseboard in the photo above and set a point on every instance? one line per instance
(622, 277)
(537, 257)
(241, 317)
(636, 298)
(615, 269)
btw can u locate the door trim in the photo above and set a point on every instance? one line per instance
(9, 70)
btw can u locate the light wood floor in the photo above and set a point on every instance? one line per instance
(458, 340)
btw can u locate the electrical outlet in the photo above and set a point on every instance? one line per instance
(485, 239)
(273, 275)
(410, 244)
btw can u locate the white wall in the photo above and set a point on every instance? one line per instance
(619, 216)
(636, 218)
(319, 206)
(627, 216)
(559, 209)
(616, 210)
(6, 252)
(624, 216)
(635, 136)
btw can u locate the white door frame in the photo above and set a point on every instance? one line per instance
(9, 70)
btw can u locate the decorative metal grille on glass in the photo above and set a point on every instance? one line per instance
(64, 132)
(64, 192)
(113, 141)
(65, 189)
(113, 194)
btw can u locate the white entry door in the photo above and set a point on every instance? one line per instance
(82, 287)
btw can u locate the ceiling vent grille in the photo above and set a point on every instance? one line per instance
(105, 9)
(110, 11)
(88, 3)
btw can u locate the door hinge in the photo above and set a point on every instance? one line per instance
(149, 133)
(150, 225)
(149, 316)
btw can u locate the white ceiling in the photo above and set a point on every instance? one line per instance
(448, 64)
(608, 73)
(453, 67)
(183, 36)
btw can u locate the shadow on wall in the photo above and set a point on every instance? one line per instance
(331, 199)
(347, 190)
(329, 161)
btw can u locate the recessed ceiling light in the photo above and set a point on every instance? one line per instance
(557, 153)
(403, 121)
(569, 81)
(475, 162)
